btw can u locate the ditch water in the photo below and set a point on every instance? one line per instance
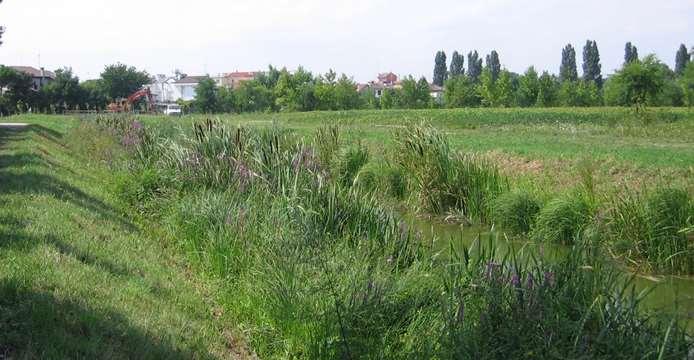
(668, 293)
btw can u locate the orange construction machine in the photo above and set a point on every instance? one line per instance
(128, 104)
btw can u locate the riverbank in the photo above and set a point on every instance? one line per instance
(79, 278)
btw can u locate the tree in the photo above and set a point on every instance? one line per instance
(206, 97)
(631, 53)
(493, 64)
(252, 96)
(547, 91)
(495, 93)
(414, 94)
(567, 70)
(591, 63)
(459, 91)
(226, 100)
(346, 95)
(637, 83)
(681, 59)
(94, 96)
(528, 88)
(474, 64)
(457, 63)
(19, 94)
(120, 80)
(64, 92)
(440, 69)
(687, 84)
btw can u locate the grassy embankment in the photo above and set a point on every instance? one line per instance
(78, 279)
(315, 265)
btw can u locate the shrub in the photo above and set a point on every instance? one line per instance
(562, 219)
(516, 211)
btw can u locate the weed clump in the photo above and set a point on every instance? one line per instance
(516, 211)
(445, 181)
(563, 219)
(656, 227)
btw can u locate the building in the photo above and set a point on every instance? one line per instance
(163, 90)
(185, 87)
(235, 79)
(40, 77)
(385, 81)
(436, 92)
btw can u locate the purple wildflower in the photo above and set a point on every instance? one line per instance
(515, 280)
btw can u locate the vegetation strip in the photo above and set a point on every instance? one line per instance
(314, 265)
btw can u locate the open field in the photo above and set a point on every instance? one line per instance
(295, 228)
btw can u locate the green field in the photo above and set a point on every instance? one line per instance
(148, 237)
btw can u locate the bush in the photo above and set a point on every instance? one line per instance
(516, 211)
(562, 219)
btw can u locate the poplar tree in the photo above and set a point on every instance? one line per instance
(440, 69)
(474, 66)
(681, 59)
(591, 63)
(567, 70)
(631, 53)
(457, 63)
(494, 65)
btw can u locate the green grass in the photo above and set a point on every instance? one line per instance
(79, 279)
(314, 268)
(309, 266)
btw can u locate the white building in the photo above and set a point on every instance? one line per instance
(185, 87)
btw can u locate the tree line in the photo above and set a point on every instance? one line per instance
(643, 82)
(282, 90)
(66, 92)
(472, 81)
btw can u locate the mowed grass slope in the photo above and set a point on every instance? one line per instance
(77, 277)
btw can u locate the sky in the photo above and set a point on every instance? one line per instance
(358, 37)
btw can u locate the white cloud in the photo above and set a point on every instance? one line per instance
(359, 37)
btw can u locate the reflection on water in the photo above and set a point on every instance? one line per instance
(667, 293)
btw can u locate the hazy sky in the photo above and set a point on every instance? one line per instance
(357, 37)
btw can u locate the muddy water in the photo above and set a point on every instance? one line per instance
(667, 293)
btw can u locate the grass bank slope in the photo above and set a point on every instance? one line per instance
(77, 278)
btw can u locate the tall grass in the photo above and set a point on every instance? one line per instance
(445, 181)
(656, 227)
(314, 269)
(516, 212)
(563, 219)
